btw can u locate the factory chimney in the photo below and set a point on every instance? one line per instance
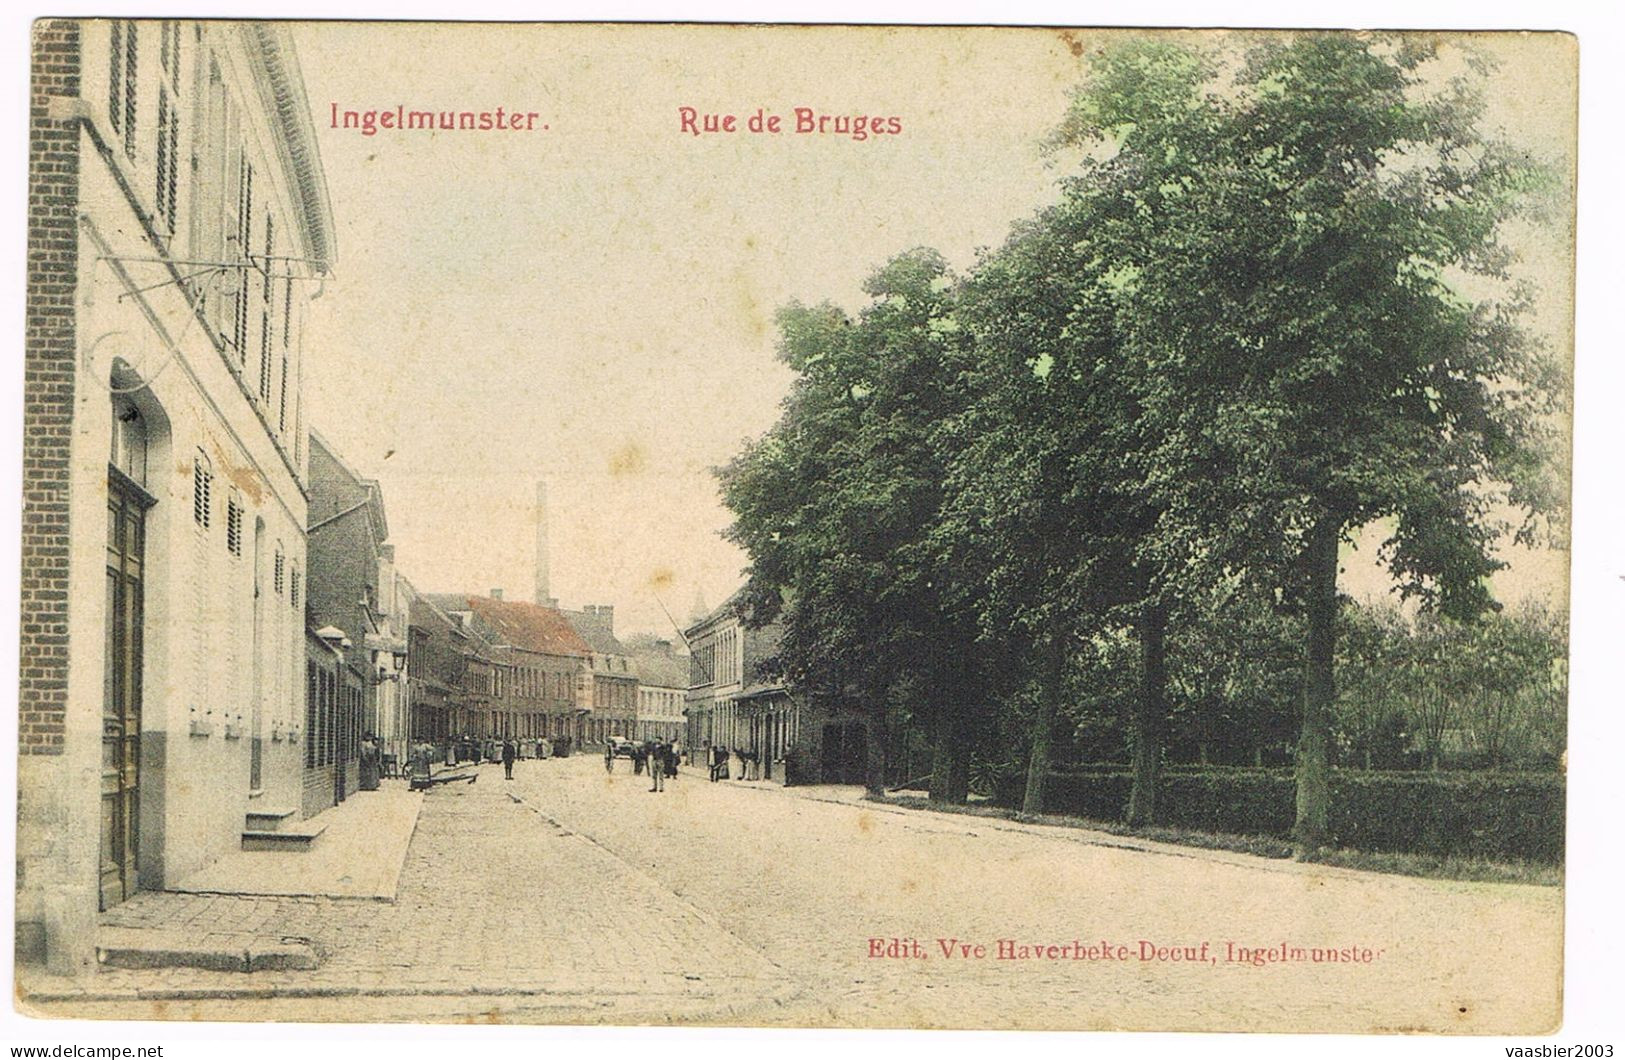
(544, 591)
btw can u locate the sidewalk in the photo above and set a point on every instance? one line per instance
(500, 912)
(358, 855)
(238, 915)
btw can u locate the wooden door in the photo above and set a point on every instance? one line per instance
(127, 504)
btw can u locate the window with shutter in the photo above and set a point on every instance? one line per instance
(165, 216)
(168, 127)
(270, 255)
(234, 526)
(121, 70)
(245, 228)
(130, 54)
(115, 77)
(202, 487)
(265, 356)
(266, 310)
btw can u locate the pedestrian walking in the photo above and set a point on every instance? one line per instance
(371, 766)
(657, 767)
(508, 755)
(609, 758)
(671, 759)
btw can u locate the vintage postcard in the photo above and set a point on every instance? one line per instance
(790, 526)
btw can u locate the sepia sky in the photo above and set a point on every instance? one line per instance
(593, 305)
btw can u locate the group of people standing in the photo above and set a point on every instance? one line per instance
(658, 759)
(717, 758)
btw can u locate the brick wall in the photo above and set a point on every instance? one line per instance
(48, 367)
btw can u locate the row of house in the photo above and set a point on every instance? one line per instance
(735, 700)
(483, 668)
(211, 619)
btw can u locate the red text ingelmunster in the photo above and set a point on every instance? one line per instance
(371, 122)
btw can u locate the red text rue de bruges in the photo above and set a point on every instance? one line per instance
(801, 120)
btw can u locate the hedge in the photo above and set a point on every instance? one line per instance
(1498, 816)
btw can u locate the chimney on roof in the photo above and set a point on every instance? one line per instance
(496, 594)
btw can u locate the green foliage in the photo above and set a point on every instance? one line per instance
(1433, 691)
(1271, 307)
(1236, 678)
(1503, 816)
(1294, 230)
(1299, 227)
(834, 504)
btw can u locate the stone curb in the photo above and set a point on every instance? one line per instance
(592, 995)
(139, 948)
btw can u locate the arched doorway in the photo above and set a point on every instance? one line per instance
(127, 505)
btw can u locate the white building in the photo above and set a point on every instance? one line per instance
(394, 692)
(178, 229)
(662, 690)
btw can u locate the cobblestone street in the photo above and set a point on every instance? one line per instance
(569, 895)
(498, 908)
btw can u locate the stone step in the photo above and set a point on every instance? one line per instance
(299, 837)
(225, 952)
(269, 820)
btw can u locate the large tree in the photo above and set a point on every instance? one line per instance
(1317, 302)
(1048, 527)
(835, 503)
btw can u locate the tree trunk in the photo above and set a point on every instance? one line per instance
(874, 765)
(950, 757)
(1314, 741)
(1149, 708)
(1049, 696)
(950, 765)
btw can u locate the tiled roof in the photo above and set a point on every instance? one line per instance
(527, 626)
(661, 669)
(596, 632)
(447, 603)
